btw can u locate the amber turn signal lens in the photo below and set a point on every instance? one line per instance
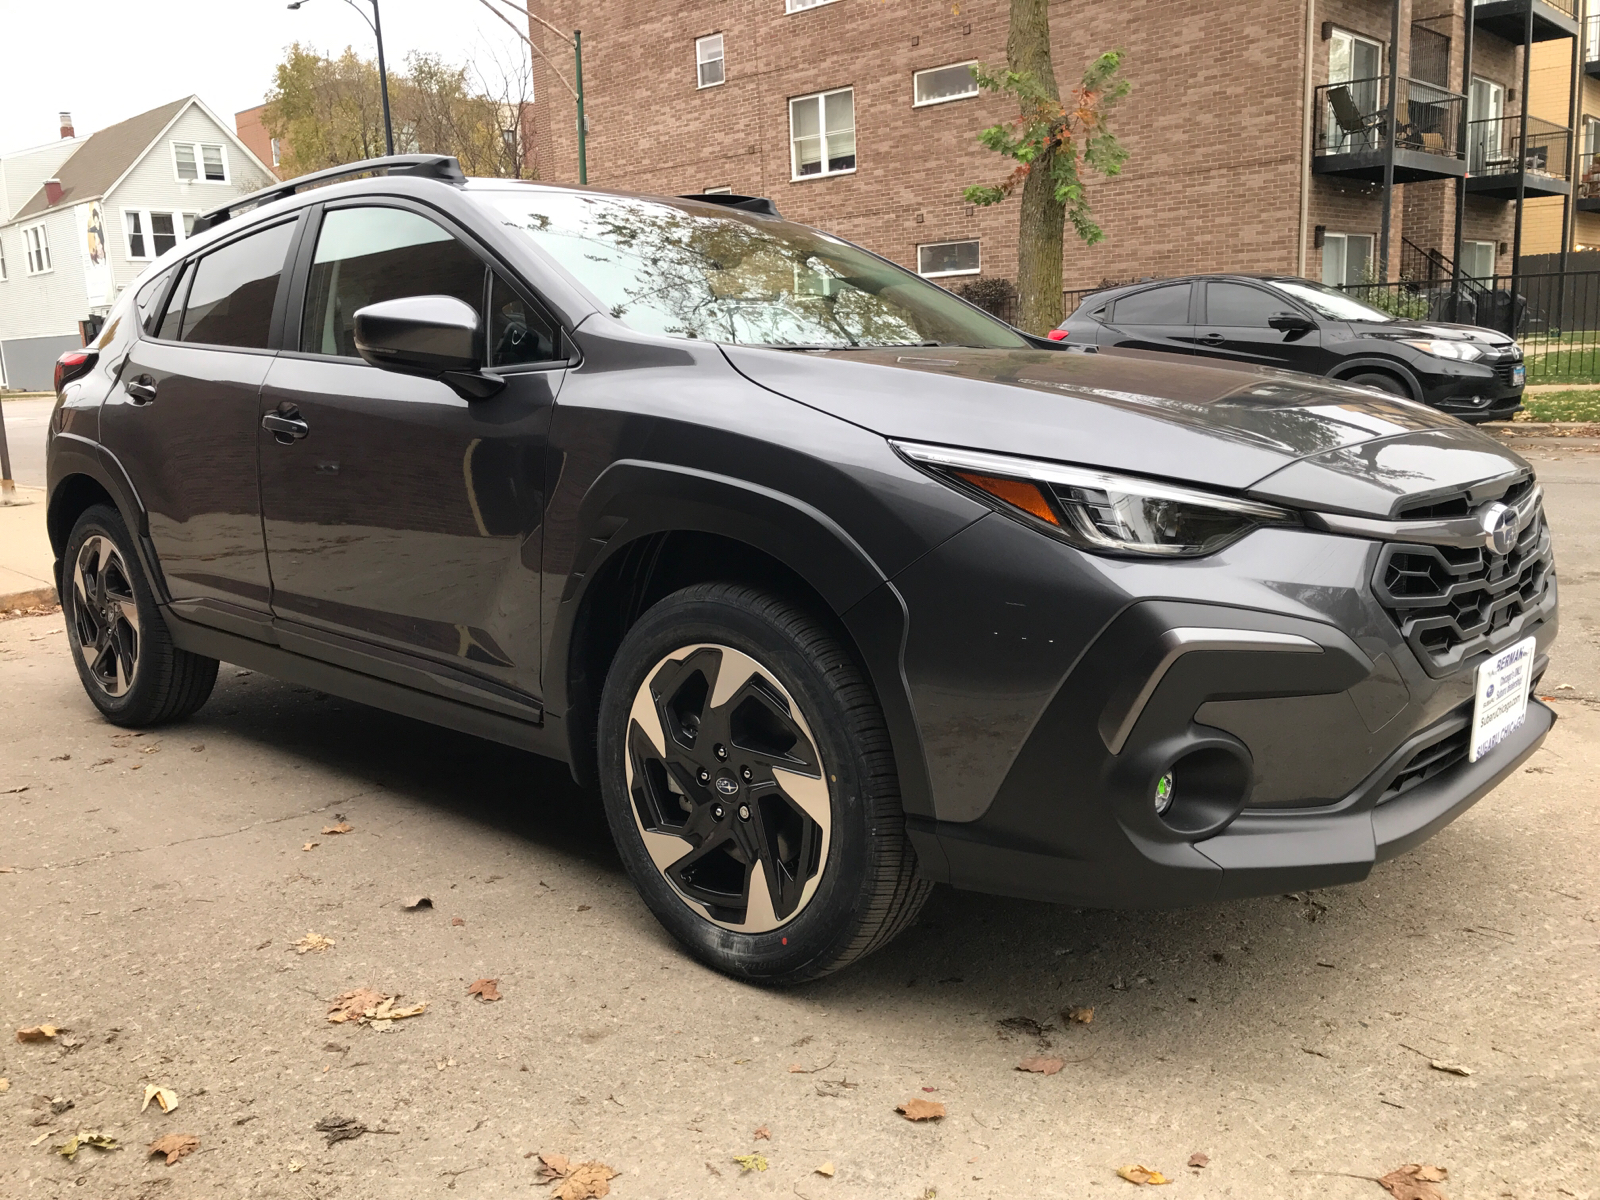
(1026, 496)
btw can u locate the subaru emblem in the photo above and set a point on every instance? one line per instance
(727, 785)
(1500, 528)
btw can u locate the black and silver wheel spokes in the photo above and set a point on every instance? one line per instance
(105, 616)
(728, 788)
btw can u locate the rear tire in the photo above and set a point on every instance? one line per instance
(751, 789)
(125, 657)
(1378, 379)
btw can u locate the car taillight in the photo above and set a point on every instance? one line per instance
(1057, 335)
(71, 365)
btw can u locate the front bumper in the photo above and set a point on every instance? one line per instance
(1471, 391)
(1043, 785)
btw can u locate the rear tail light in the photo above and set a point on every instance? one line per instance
(1057, 335)
(72, 365)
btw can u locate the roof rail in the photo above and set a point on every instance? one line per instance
(755, 204)
(422, 166)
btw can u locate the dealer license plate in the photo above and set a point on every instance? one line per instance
(1519, 375)
(1502, 701)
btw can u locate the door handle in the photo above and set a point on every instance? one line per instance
(1213, 338)
(285, 426)
(142, 390)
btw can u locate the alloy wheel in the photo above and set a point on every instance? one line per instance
(105, 616)
(728, 788)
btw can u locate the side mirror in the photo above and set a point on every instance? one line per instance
(436, 337)
(1291, 323)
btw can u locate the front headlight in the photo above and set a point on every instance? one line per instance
(1096, 510)
(1448, 348)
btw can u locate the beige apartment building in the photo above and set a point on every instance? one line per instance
(1257, 129)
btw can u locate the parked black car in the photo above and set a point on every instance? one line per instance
(1294, 324)
(834, 585)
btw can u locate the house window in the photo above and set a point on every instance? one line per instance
(794, 6)
(277, 153)
(1346, 258)
(1477, 260)
(152, 234)
(197, 160)
(948, 258)
(37, 243)
(708, 60)
(822, 133)
(2, 262)
(1355, 65)
(939, 84)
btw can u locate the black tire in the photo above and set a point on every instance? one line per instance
(864, 889)
(1381, 380)
(137, 677)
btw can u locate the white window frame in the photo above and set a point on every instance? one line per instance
(3, 275)
(277, 153)
(148, 230)
(36, 246)
(977, 270)
(722, 58)
(915, 75)
(1372, 249)
(199, 149)
(1470, 248)
(799, 6)
(822, 132)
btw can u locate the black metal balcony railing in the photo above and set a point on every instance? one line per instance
(1495, 147)
(1569, 7)
(1587, 184)
(1352, 117)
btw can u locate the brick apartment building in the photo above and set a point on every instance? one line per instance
(1238, 157)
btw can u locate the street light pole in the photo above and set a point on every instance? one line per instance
(374, 23)
(583, 125)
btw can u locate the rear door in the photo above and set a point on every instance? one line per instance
(1237, 325)
(1157, 318)
(182, 422)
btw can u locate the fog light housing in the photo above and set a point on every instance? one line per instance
(1163, 796)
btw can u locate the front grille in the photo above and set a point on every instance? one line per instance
(1503, 372)
(1428, 762)
(1452, 602)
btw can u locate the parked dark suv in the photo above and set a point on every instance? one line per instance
(832, 584)
(1294, 324)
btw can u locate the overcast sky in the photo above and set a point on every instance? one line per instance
(104, 61)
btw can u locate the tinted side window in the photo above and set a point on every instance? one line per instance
(518, 332)
(172, 323)
(1240, 305)
(230, 300)
(365, 255)
(148, 301)
(1167, 305)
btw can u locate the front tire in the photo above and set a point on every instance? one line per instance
(750, 787)
(1381, 381)
(125, 657)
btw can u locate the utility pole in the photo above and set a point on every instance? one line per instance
(583, 123)
(1390, 111)
(8, 487)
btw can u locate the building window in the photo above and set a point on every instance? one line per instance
(718, 191)
(939, 84)
(822, 133)
(948, 258)
(708, 60)
(1477, 260)
(277, 153)
(2, 262)
(794, 6)
(37, 243)
(197, 160)
(152, 234)
(1346, 258)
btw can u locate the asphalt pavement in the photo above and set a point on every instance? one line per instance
(153, 891)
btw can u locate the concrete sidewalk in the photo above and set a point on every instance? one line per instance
(26, 561)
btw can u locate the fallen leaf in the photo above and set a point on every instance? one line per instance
(85, 1137)
(5, 1085)
(199, 748)
(341, 827)
(1452, 1068)
(310, 845)
(16, 791)
(825, 1169)
(340, 1129)
(295, 1165)
(38, 1139)
(921, 1110)
(62, 758)
(552, 1166)
(586, 1181)
(38, 1033)
(1041, 1066)
(354, 1005)
(387, 1012)
(583, 908)
(1137, 1174)
(1078, 1016)
(457, 921)
(751, 1162)
(1198, 1160)
(484, 989)
(165, 1097)
(417, 902)
(151, 750)
(763, 1134)
(1415, 1181)
(175, 1146)
(313, 941)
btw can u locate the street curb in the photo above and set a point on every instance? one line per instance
(38, 598)
(1531, 427)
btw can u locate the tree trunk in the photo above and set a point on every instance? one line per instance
(1042, 219)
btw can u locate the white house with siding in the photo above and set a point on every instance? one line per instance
(82, 217)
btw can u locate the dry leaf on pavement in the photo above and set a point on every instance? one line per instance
(1134, 1173)
(5, 1085)
(457, 921)
(1198, 1159)
(344, 1129)
(416, 902)
(762, 1135)
(86, 1137)
(175, 1146)
(484, 989)
(920, 1110)
(353, 1006)
(341, 827)
(751, 1162)
(825, 1169)
(38, 1033)
(1078, 1016)
(313, 941)
(310, 845)
(586, 1181)
(1041, 1066)
(165, 1097)
(1415, 1181)
(1451, 1068)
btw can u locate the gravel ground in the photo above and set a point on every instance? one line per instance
(154, 887)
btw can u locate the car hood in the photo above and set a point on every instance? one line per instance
(1149, 414)
(1417, 330)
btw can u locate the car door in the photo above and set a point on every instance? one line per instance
(183, 419)
(1157, 318)
(1238, 321)
(402, 521)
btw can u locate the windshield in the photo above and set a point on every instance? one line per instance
(1327, 302)
(726, 276)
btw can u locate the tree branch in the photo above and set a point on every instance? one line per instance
(571, 91)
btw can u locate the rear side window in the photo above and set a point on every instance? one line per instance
(172, 323)
(365, 255)
(148, 300)
(230, 300)
(1240, 305)
(1167, 305)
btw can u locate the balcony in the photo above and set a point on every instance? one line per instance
(1508, 19)
(1586, 195)
(1498, 160)
(1591, 47)
(1352, 128)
